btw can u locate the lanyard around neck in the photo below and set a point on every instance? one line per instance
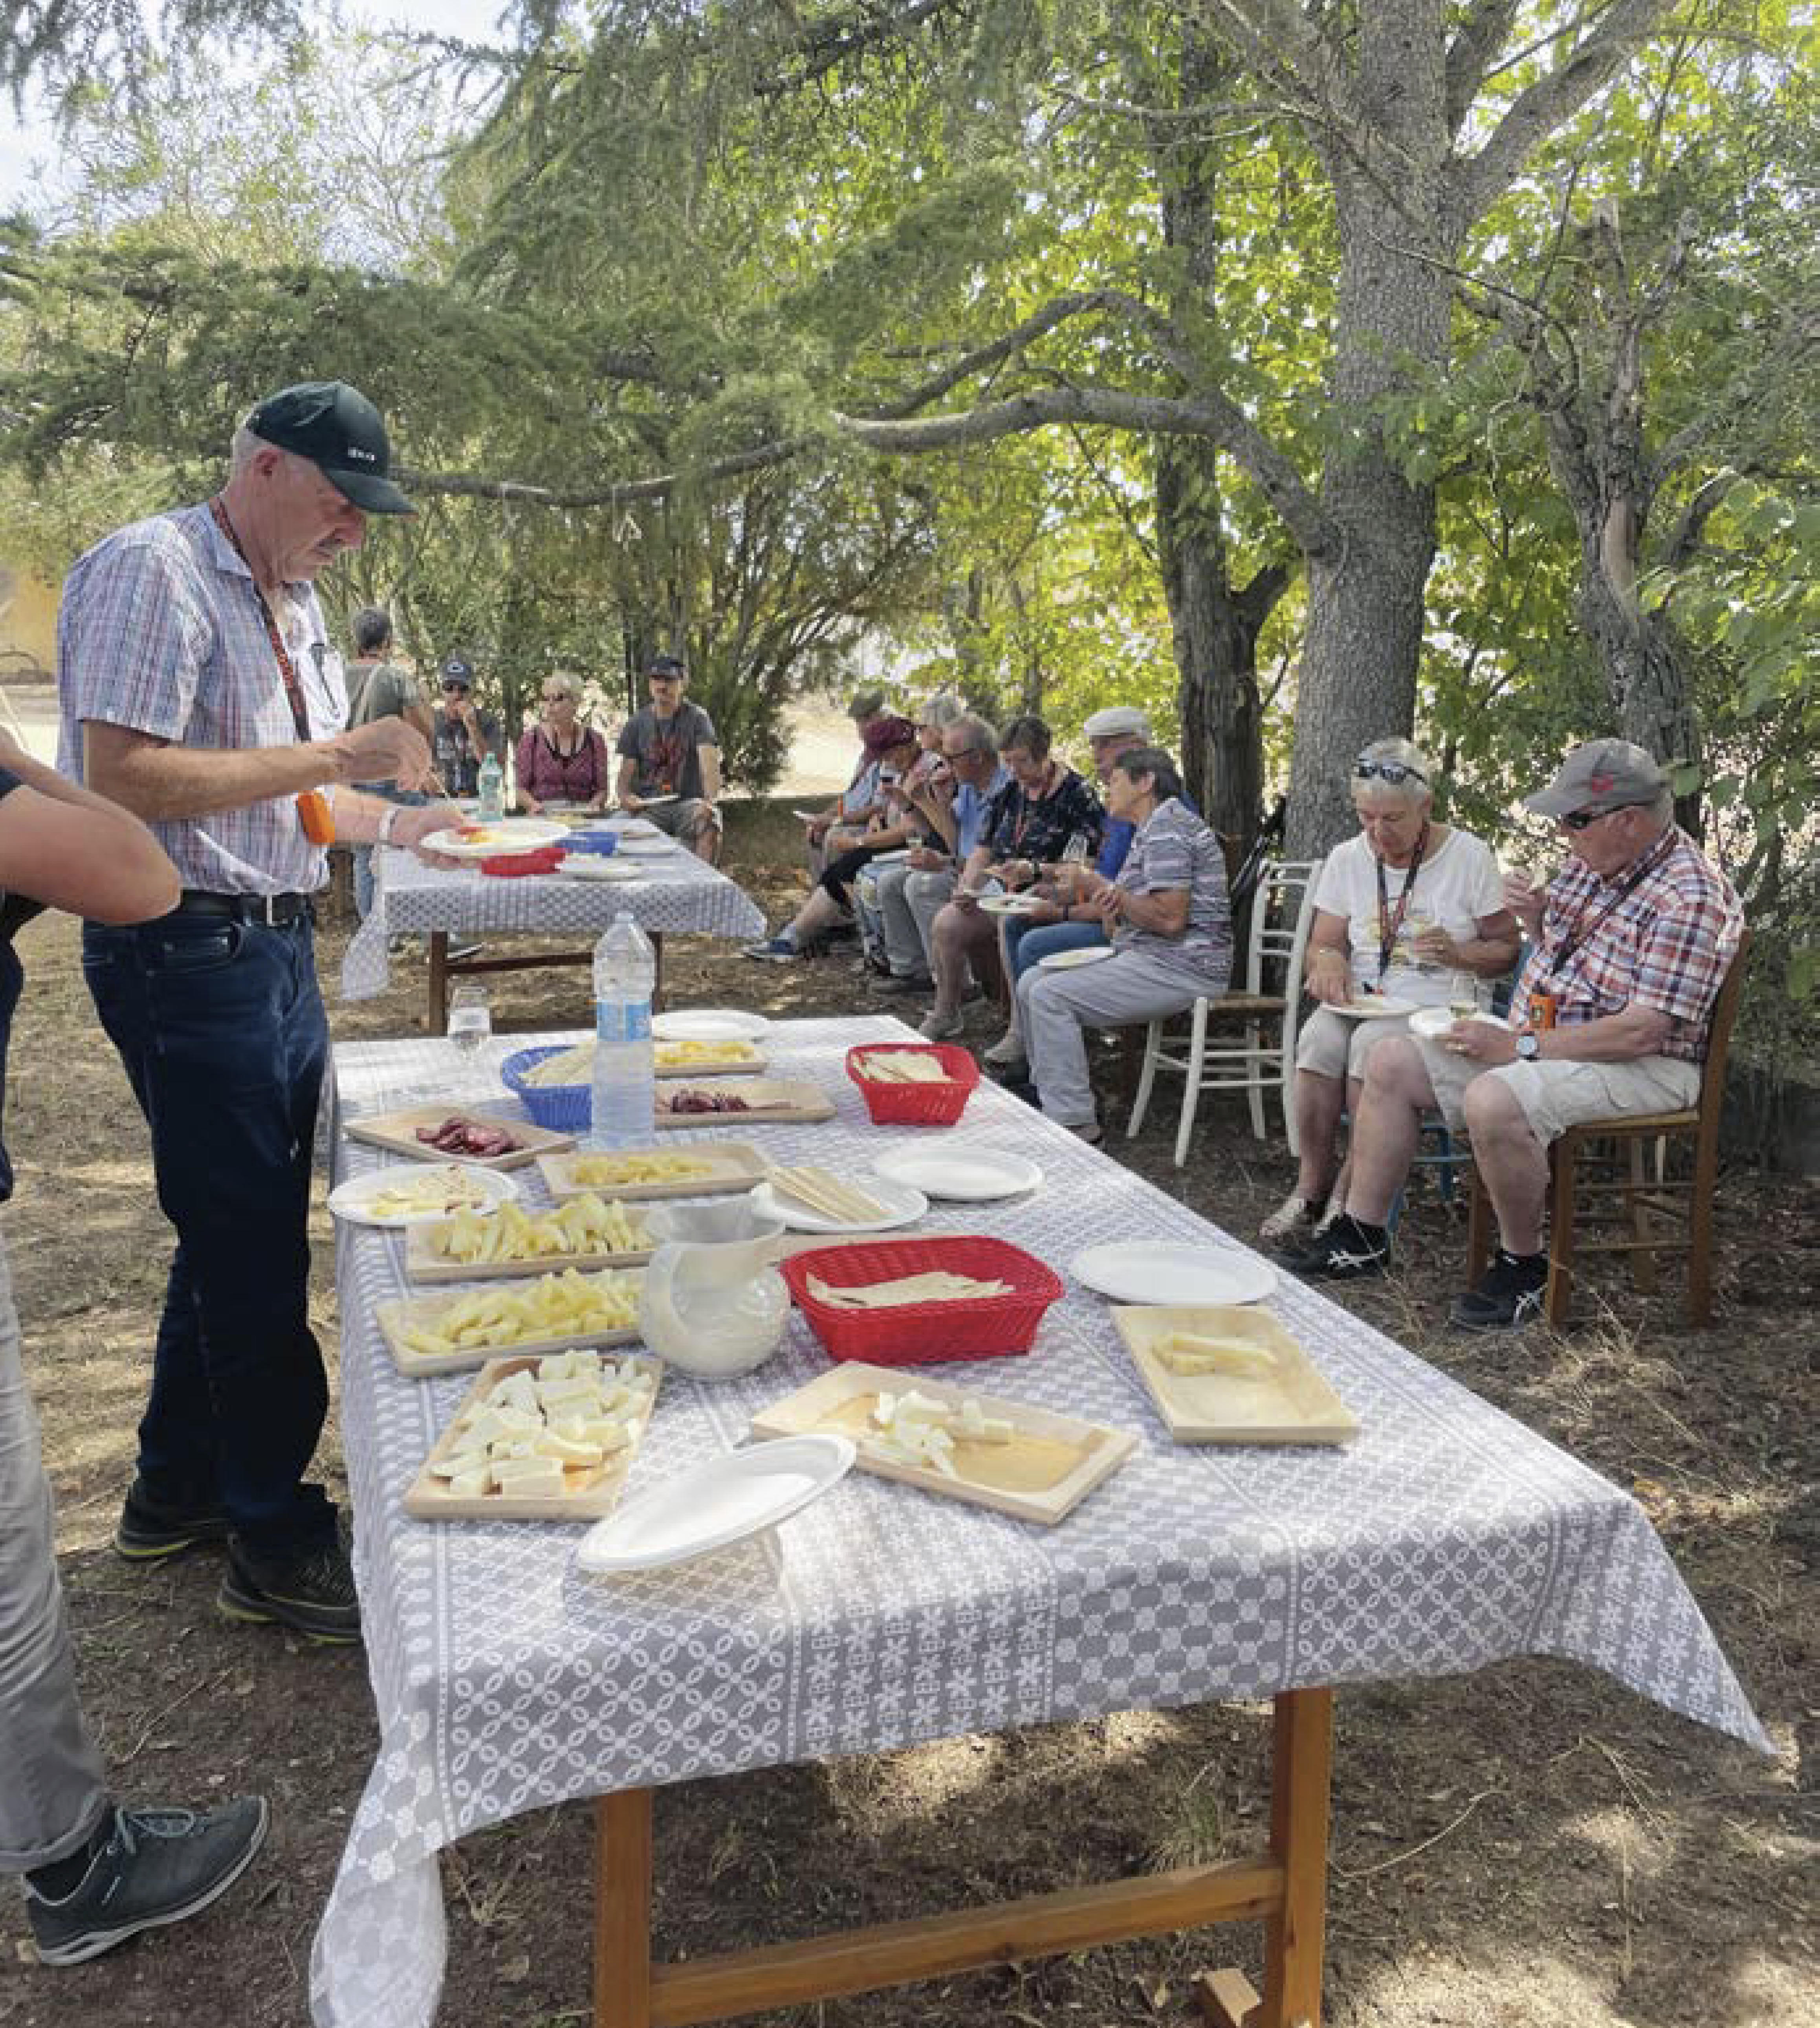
(1389, 925)
(293, 690)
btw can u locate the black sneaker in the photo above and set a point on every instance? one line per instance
(148, 1530)
(1348, 1250)
(1509, 1295)
(899, 982)
(313, 1591)
(157, 1866)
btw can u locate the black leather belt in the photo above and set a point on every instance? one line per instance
(273, 910)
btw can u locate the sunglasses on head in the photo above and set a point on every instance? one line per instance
(1393, 771)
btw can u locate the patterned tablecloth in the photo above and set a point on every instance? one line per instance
(679, 892)
(1446, 1537)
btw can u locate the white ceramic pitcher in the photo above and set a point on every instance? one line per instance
(713, 1304)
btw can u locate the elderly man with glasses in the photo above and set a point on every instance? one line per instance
(1630, 943)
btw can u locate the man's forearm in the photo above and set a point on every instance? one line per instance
(163, 783)
(1613, 1038)
(709, 757)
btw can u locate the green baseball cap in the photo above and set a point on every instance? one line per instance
(339, 430)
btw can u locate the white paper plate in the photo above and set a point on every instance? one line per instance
(350, 1199)
(1008, 904)
(1375, 1007)
(725, 1501)
(1168, 1271)
(505, 835)
(633, 828)
(1067, 960)
(709, 1024)
(641, 847)
(587, 866)
(895, 857)
(901, 1204)
(968, 1175)
(1432, 1023)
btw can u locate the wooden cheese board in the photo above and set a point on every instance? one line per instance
(763, 1100)
(398, 1133)
(1291, 1404)
(589, 1492)
(425, 1261)
(1049, 1466)
(731, 1165)
(398, 1314)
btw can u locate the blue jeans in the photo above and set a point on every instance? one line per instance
(363, 854)
(221, 1028)
(1026, 942)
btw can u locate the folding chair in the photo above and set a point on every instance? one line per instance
(1282, 912)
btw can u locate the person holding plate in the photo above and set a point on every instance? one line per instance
(1169, 920)
(1630, 945)
(892, 743)
(560, 760)
(1399, 912)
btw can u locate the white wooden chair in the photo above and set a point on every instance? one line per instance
(1262, 1056)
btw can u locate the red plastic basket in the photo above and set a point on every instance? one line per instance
(518, 865)
(912, 1334)
(930, 1104)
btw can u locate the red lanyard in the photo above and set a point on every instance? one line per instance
(292, 690)
(1388, 924)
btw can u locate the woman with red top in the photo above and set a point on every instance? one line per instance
(560, 760)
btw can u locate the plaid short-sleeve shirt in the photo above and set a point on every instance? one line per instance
(160, 632)
(1661, 934)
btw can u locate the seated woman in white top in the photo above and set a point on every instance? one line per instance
(1168, 917)
(1411, 910)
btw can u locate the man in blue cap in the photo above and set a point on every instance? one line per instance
(200, 690)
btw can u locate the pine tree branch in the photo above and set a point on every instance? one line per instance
(1477, 180)
(1000, 349)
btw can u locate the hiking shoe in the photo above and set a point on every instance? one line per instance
(908, 983)
(1294, 1223)
(1089, 1131)
(1007, 1054)
(313, 1591)
(157, 1866)
(1349, 1250)
(148, 1530)
(937, 1027)
(1509, 1294)
(774, 951)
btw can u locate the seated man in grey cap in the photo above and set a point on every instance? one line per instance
(1066, 914)
(670, 761)
(843, 822)
(1629, 944)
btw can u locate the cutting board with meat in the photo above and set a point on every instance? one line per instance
(462, 1134)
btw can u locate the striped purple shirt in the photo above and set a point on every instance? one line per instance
(160, 632)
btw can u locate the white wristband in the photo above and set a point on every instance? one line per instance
(388, 816)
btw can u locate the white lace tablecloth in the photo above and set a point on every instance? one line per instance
(1446, 1537)
(678, 892)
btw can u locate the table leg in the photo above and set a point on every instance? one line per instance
(438, 1014)
(656, 971)
(623, 1860)
(1302, 1759)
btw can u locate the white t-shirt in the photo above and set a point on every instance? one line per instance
(1457, 886)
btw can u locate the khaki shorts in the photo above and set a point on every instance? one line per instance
(687, 818)
(1331, 1045)
(1556, 1095)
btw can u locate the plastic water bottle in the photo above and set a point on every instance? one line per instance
(624, 1082)
(491, 784)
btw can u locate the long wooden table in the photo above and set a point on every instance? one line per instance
(1445, 1536)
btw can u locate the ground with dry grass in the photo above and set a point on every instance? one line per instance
(1528, 1846)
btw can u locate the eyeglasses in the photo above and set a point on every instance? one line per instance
(1395, 772)
(552, 696)
(1579, 819)
(455, 690)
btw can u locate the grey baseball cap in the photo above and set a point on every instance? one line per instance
(866, 703)
(1603, 775)
(1117, 721)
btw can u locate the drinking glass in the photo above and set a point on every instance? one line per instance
(1463, 992)
(470, 1018)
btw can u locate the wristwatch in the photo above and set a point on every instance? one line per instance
(1528, 1046)
(388, 816)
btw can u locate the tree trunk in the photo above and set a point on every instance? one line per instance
(1357, 680)
(1646, 674)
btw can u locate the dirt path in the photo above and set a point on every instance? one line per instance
(1529, 1845)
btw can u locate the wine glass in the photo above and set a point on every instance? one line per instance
(470, 1018)
(1463, 995)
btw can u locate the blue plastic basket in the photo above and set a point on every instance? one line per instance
(606, 842)
(567, 1109)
